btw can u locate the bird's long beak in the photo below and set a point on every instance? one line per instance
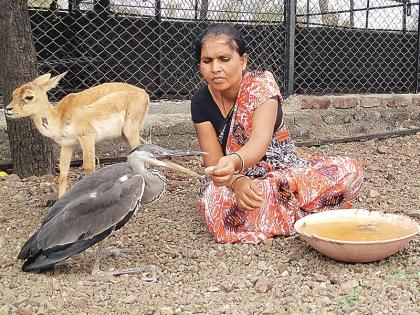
(160, 156)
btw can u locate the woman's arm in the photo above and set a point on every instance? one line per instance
(207, 139)
(263, 121)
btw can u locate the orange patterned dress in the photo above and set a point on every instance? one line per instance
(292, 187)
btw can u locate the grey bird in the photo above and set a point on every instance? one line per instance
(98, 205)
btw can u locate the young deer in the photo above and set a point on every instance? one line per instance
(105, 111)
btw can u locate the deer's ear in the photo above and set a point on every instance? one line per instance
(52, 83)
(41, 80)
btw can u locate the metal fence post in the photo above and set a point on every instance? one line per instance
(158, 18)
(290, 24)
(416, 87)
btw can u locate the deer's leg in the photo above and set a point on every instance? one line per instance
(64, 165)
(87, 143)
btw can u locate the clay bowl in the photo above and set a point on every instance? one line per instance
(357, 235)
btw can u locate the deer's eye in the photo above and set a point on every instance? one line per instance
(29, 97)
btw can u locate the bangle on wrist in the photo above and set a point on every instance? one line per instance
(240, 159)
(234, 181)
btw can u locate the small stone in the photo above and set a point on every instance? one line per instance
(23, 311)
(382, 149)
(213, 289)
(194, 254)
(51, 307)
(321, 278)
(359, 116)
(241, 285)
(376, 116)
(5, 310)
(359, 269)
(263, 285)
(390, 176)
(228, 287)
(281, 267)
(330, 119)
(262, 265)
(285, 273)
(13, 178)
(317, 120)
(347, 119)
(81, 303)
(346, 309)
(8, 298)
(349, 285)
(166, 310)
(373, 193)
(173, 252)
(131, 299)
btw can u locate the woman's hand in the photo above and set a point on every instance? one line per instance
(221, 174)
(247, 194)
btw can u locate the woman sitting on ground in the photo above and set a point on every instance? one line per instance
(259, 186)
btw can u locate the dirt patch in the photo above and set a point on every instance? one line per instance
(198, 276)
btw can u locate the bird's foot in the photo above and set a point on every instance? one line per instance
(148, 273)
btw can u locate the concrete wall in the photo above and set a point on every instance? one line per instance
(317, 118)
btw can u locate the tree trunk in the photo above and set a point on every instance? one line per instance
(31, 152)
(327, 19)
(204, 9)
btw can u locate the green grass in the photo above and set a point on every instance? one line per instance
(349, 299)
(404, 274)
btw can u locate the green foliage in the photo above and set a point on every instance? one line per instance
(349, 299)
(230, 10)
(39, 3)
(265, 13)
(403, 274)
(171, 9)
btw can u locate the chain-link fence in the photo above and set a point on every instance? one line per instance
(311, 46)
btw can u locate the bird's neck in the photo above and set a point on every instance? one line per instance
(153, 179)
(155, 186)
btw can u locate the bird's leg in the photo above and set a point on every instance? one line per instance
(95, 270)
(149, 273)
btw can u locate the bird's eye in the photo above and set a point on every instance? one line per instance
(29, 97)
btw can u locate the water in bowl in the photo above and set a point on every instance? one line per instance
(357, 230)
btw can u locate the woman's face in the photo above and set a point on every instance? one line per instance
(221, 65)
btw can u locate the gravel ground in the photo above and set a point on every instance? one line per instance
(198, 276)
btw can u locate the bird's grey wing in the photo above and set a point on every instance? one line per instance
(88, 185)
(83, 222)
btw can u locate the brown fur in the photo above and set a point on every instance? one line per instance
(105, 111)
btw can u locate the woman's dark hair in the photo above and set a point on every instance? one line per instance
(237, 41)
